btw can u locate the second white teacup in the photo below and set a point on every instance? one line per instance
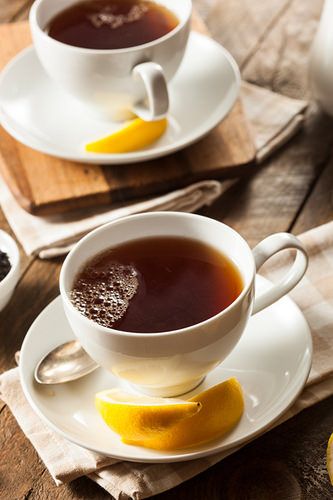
(174, 362)
(113, 82)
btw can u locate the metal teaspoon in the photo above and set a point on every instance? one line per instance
(67, 362)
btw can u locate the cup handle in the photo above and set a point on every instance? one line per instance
(152, 77)
(266, 249)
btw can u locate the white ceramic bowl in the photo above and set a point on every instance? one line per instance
(7, 285)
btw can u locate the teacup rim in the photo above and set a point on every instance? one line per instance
(123, 333)
(34, 22)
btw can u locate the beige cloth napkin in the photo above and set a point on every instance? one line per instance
(274, 120)
(66, 461)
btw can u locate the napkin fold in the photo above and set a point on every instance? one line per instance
(66, 461)
(274, 119)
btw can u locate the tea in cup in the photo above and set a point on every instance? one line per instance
(160, 299)
(156, 284)
(111, 24)
(115, 56)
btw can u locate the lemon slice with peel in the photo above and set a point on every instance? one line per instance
(329, 458)
(137, 417)
(222, 408)
(136, 134)
(165, 424)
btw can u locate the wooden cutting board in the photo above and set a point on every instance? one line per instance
(46, 185)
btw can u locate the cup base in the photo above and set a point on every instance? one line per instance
(170, 391)
(105, 111)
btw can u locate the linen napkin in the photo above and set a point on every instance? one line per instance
(274, 119)
(66, 461)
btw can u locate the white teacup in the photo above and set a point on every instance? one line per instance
(115, 82)
(174, 362)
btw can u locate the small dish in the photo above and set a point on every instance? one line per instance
(272, 362)
(7, 285)
(38, 113)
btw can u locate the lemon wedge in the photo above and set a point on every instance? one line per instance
(135, 135)
(329, 458)
(222, 407)
(137, 417)
(168, 424)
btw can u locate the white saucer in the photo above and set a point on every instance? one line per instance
(36, 112)
(272, 362)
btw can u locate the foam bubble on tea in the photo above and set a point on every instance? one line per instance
(103, 295)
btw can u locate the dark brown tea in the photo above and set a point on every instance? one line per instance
(111, 24)
(156, 285)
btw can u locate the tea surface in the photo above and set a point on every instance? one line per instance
(111, 24)
(156, 284)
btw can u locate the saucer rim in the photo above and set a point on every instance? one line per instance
(190, 453)
(13, 127)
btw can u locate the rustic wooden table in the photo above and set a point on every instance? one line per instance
(291, 192)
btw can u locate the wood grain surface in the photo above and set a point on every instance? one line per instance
(292, 191)
(46, 185)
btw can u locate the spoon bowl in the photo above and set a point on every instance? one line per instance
(65, 363)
